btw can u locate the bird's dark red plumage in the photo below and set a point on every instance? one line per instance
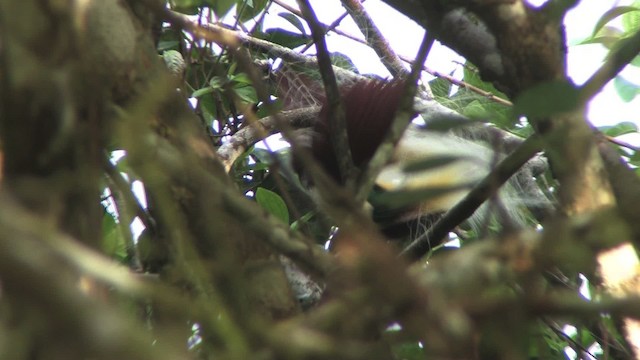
(370, 107)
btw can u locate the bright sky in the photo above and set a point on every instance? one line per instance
(405, 36)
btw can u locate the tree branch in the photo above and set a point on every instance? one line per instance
(375, 39)
(249, 135)
(618, 58)
(335, 108)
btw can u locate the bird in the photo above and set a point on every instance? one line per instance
(463, 160)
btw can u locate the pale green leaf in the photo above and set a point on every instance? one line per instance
(547, 99)
(273, 204)
(610, 15)
(625, 88)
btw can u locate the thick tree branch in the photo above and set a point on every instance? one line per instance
(625, 184)
(30, 249)
(249, 135)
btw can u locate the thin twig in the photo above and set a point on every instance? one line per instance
(622, 143)
(573, 343)
(486, 94)
(335, 108)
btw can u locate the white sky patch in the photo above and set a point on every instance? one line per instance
(138, 188)
(606, 108)
(116, 156)
(537, 3)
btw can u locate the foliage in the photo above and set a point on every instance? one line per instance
(611, 36)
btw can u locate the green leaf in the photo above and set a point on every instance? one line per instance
(201, 92)
(440, 87)
(169, 39)
(248, 9)
(293, 20)
(113, 243)
(241, 78)
(586, 337)
(262, 155)
(221, 7)
(610, 15)
(263, 111)
(343, 61)
(607, 41)
(246, 93)
(625, 88)
(187, 10)
(184, 3)
(548, 343)
(634, 158)
(216, 82)
(232, 68)
(304, 219)
(476, 106)
(480, 108)
(273, 203)
(188, 7)
(472, 77)
(208, 107)
(285, 38)
(611, 327)
(622, 128)
(168, 45)
(174, 61)
(191, 7)
(409, 351)
(257, 167)
(476, 110)
(547, 99)
(631, 20)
